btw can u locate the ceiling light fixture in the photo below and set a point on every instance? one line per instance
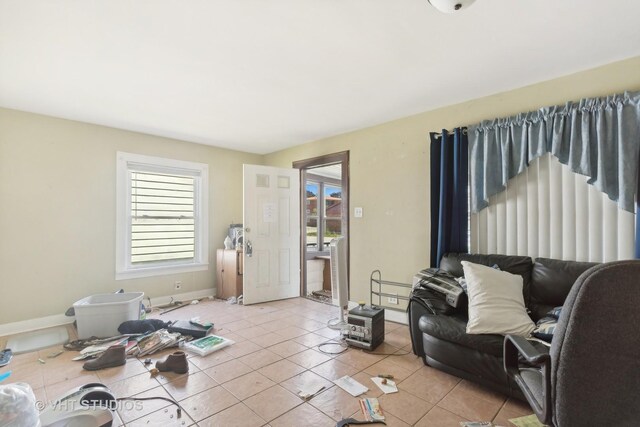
(450, 6)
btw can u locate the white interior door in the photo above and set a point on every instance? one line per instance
(271, 220)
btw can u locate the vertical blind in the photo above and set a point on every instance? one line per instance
(549, 211)
(162, 217)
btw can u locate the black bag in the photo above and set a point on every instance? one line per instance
(145, 326)
(433, 300)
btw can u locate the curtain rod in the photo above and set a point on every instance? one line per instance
(439, 135)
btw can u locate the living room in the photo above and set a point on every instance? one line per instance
(59, 224)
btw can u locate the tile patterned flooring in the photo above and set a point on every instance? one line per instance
(254, 382)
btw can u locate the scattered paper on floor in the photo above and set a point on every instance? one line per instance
(389, 387)
(528, 421)
(351, 386)
(310, 390)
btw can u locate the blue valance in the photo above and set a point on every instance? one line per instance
(598, 137)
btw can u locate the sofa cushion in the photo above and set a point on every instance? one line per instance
(496, 303)
(553, 280)
(522, 265)
(454, 329)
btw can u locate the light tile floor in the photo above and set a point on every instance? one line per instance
(254, 382)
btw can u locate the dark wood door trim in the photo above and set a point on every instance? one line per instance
(327, 159)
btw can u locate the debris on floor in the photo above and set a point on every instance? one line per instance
(310, 391)
(142, 326)
(55, 354)
(5, 356)
(476, 424)
(136, 345)
(156, 341)
(207, 345)
(386, 385)
(78, 345)
(352, 421)
(97, 349)
(371, 409)
(111, 357)
(527, 421)
(143, 337)
(175, 362)
(321, 296)
(191, 328)
(351, 386)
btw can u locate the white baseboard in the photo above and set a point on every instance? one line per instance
(184, 297)
(60, 319)
(33, 324)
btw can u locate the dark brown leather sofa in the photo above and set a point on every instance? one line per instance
(441, 339)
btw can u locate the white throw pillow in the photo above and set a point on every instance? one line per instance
(496, 304)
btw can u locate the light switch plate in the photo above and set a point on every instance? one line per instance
(357, 212)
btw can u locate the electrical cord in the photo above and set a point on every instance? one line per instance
(335, 324)
(342, 343)
(179, 410)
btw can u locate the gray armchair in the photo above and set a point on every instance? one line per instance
(591, 375)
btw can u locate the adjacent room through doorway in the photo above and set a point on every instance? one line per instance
(324, 198)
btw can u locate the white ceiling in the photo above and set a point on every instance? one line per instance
(263, 75)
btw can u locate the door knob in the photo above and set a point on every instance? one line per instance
(248, 248)
(248, 230)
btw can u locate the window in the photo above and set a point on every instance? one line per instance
(312, 215)
(162, 216)
(323, 213)
(332, 226)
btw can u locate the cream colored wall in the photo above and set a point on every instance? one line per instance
(57, 214)
(57, 194)
(389, 168)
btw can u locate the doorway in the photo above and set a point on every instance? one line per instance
(324, 215)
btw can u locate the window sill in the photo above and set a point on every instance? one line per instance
(160, 271)
(315, 254)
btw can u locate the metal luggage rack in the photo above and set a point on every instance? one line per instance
(376, 279)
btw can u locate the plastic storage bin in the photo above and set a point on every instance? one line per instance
(100, 315)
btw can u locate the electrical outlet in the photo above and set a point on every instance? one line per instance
(177, 285)
(392, 300)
